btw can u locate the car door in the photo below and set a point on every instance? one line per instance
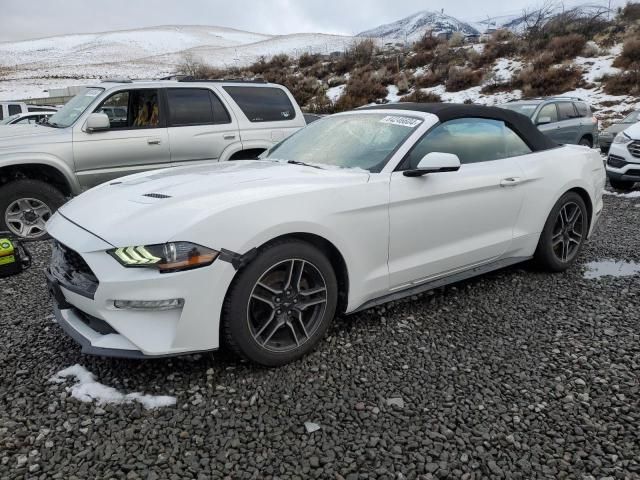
(547, 122)
(446, 222)
(200, 127)
(134, 143)
(568, 123)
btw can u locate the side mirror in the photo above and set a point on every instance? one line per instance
(435, 162)
(543, 121)
(97, 122)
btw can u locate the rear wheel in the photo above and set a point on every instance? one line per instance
(586, 142)
(281, 304)
(622, 185)
(563, 235)
(25, 207)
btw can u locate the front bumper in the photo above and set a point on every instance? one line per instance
(102, 329)
(622, 165)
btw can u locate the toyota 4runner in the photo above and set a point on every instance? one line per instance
(121, 127)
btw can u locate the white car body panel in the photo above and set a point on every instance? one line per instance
(391, 231)
(621, 150)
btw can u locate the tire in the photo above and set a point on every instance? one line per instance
(279, 324)
(621, 185)
(33, 197)
(585, 142)
(570, 231)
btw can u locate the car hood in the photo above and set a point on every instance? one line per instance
(154, 207)
(23, 135)
(616, 128)
(633, 131)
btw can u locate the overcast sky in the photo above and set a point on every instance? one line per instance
(39, 18)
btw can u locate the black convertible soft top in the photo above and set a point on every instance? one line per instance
(519, 123)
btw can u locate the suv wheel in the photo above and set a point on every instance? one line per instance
(25, 207)
(622, 185)
(586, 142)
(563, 235)
(281, 304)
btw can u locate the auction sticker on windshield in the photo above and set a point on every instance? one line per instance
(401, 121)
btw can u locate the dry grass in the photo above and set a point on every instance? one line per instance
(420, 96)
(624, 83)
(462, 78)
(551, 81)
(363, 87)
(630, 53)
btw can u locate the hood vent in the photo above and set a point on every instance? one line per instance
(156, 195)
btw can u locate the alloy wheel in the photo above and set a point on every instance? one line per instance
(26, 217)
(568, 232)
(287, 305)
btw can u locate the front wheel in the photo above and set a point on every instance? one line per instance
(281, 304)
(25, 207)
(621, 185)
(564, 234)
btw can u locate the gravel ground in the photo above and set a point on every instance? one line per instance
(516, 374)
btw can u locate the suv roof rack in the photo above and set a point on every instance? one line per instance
(566, 97)
(117, 80)
(224, 80)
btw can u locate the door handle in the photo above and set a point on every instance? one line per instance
(510, 182)
(153, 141)
(229, 137)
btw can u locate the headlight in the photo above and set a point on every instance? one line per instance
(622, 138)
(167, 258)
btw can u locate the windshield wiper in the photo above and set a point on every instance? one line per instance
(295, 162)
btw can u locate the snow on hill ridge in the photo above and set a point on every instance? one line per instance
(413, 27)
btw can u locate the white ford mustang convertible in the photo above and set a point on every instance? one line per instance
(355, 210)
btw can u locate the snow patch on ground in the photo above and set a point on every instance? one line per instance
(392, 94)
(634, 194)
(611, 268)
(87, 389)
(334, 93)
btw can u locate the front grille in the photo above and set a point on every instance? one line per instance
(616, 161)
(633, 173)
(634, 149)
(68, 267)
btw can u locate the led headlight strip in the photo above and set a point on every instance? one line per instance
(168, 257)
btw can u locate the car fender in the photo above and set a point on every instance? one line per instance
(236, 147)
(18, 159)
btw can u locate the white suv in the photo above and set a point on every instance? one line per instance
(623, 163)
(121, 127)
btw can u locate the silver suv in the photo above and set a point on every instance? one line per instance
(563, 119)
(121, 127)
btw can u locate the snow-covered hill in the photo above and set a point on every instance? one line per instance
(414, 27)
(147, 52)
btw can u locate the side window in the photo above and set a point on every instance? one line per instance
(220, 114)
(583, 109)
(189, 106)
(14, 109)
(24, 121)
(262, 104)
(473, 140)
(566, 111)
(132, 109)
(548, 111)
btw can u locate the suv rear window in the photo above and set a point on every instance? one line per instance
(195, 106)
(262, 104)
(583, 109)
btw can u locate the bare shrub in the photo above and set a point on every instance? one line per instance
(456, 40)
(195, 68)
(402, 83)
(420, 96)
(420, 59)
(630, 13)
(630, 53)
(462, 78)
(566, 47)
(551, 81)
(624, 83)
(427, 43)
(362, 88)
(306, 60)
(590, 50)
